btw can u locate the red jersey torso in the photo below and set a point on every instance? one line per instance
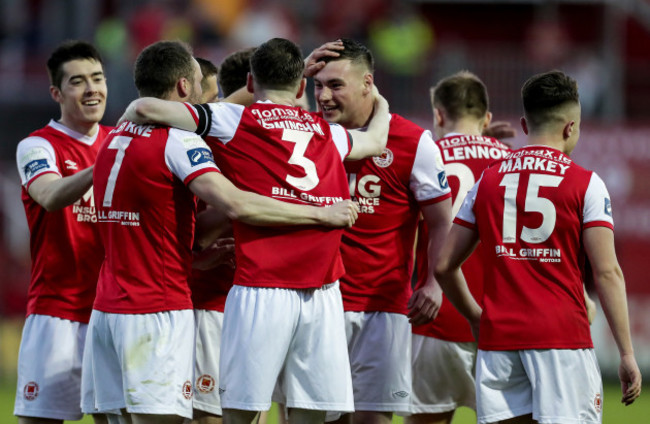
(378, 249)
(292, 155)
(530, 210)
(65, 247)
(465, 159)
(146, 217)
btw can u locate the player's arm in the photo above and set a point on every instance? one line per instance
(427, 300)
(54, 192)
(608, 277)
(149, 110)
(241, 97)
(251, 208)
(372, 141)
(458, 246)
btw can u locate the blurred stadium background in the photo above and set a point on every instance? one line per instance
(604, 45)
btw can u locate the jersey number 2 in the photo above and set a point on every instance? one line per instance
(120, 143)
(301, 138)
(533, 203)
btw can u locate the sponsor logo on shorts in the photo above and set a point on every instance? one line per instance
(187, 389)
(205, 383)
(30, 391)
(401, 394)
(34, 166)
(598, 402)
(200, 155)
(442, 179)
(384, 160)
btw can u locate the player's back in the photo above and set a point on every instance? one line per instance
(292, 155)
(465, 158)
(146, 217)
(530, 210)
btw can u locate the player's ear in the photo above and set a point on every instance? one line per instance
(368, 81)
(301, 89)
(487, 121)
(567, 131)
(524, 125)
(182, 87)
(249, 83)
(55, 93)
(438, 117)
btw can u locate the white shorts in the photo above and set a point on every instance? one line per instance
(379, 345)
(293, 337)
(206, 369)
(49, 368)
(443, 375)
(141, 362)
(555, 385)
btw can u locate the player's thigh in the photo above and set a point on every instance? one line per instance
(567, 386)
(317, 370)
(258, 327)
(206, 369)
(49, 368)
(379, 345)
(443, 375)
(503, 390)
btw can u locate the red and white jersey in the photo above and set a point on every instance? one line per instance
(291, 155)
(465, 158)
(378, 249)
(530, 210)
(146, 217)
(210, 287)
(65, 246)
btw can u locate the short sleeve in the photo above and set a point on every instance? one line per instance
(428, 181)
(219, 120)
(342, 140)
(465, 216)
(598, 206)
(187, 156)
(34, 157)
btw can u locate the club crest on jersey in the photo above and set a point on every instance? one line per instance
(598, 402)
(200, 155)
(384, 160)
(34, 166)
(30, 391)
(187, 390)
(205, 383)
(608, 207)
(442, 179)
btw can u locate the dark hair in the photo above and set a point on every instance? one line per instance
(207, 69)
(544, 93)
(67, 51)
(355, 52)
(160, 65)
(277, 64)
(462, 94)
(234, 70)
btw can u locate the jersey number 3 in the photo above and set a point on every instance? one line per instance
(533, 203)
(301, 139)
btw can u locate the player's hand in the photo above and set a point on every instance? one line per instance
(500, 130)
(313, 62)
(221, 252)
(341, 214)
(424, 304)
(590, 305)
(129, 114)
(630, 376)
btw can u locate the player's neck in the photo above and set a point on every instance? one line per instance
(544, 140)
(362, 116)
(280, 97)
(466, 127)
(85, 128)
